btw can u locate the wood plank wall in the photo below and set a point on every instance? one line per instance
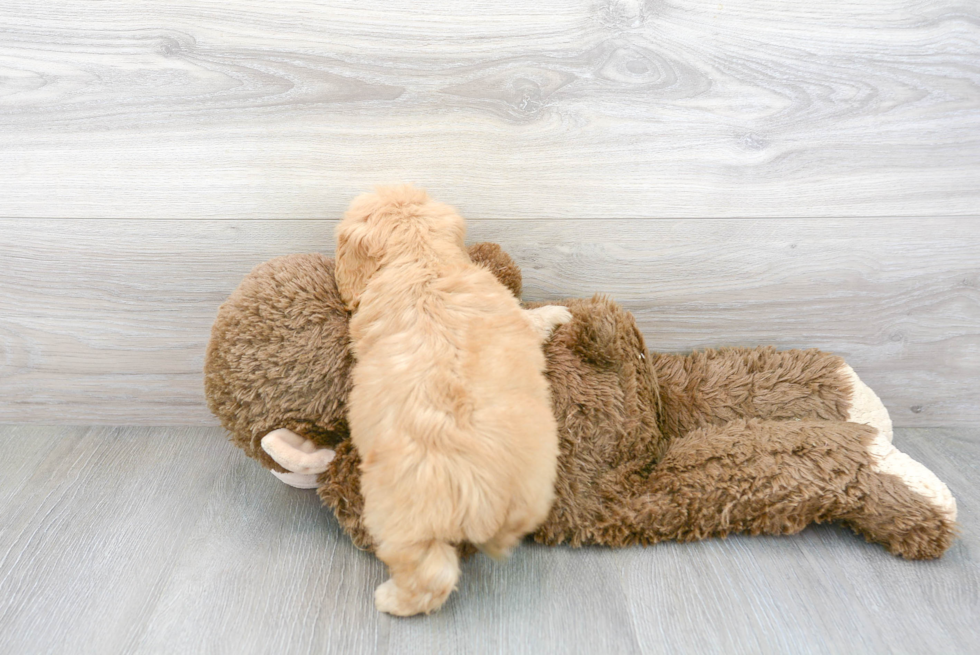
(747, 172)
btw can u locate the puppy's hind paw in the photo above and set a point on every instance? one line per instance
(392, 599)
(386, 599)
(495, 551)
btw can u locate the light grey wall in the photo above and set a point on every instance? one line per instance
(801, 174)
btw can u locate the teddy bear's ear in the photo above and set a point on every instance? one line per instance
(598, 331)
(493, 258)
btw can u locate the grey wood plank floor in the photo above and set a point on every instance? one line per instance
(138, 539)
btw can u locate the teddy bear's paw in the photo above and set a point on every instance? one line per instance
(298, 480)
(866, 407)
(392, 599)
(885, 458)
(545, 319)
(296, 453)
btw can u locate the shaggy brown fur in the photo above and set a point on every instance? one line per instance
(279, 356)
(713, 387)
(653, 447)
(777, 477)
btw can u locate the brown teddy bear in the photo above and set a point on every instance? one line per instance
(653, 446)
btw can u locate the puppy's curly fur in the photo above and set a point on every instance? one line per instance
(449, 407)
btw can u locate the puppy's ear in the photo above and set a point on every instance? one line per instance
(357, 259)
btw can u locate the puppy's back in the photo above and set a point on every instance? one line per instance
(450, 408)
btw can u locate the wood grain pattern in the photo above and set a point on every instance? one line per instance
(106, 321)
(153, 540)
(550, 109)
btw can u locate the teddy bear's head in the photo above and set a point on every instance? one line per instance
(279, 354)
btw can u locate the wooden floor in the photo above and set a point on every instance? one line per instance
(146, 540)
(747, 172)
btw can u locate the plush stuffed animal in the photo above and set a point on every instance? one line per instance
(653, 446)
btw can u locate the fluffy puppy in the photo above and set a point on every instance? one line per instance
(449, 409)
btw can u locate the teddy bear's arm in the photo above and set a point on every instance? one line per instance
(545, 319)
(712, 387)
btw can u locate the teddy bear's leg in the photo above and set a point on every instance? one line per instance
(302, 459)
(422, 577)
(545, 319)
(888, 460)
(777, 477)
(865, 407)
(896, 515)
(715, 386)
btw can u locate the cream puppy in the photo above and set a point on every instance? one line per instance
(450, 409)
